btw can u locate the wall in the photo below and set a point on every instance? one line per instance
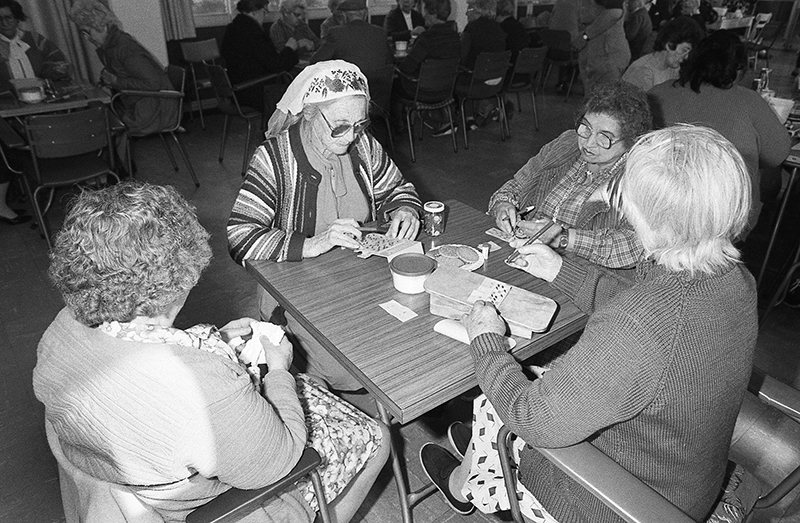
(142, 19)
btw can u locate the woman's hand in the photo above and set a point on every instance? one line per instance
(483, 318)
(291, 43)
(537, 259)
(305, 43)
(279, 357)
(232, 329)
(342, 233)
(505, 216)
(108, 78)
(404, 224)
(531, 227)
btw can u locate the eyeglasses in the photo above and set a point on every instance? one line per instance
(341, 130)
(602, 138)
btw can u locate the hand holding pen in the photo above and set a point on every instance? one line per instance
(506, 215)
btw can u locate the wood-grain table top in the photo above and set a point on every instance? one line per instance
(407, 366)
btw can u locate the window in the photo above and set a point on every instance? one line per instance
(211, 7)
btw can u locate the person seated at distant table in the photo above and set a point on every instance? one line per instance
(638, 27)
(293, 24)
(249, 54)
(334, 19)
(128, 66)
(571, 178)
(403, 22)
(674, 42)
(517, 37)
(172, 414)
(318, 174)
(356, 41)
(708, 93)
(656, 379)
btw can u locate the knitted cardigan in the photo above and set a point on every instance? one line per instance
(176, 424)
(655, 382)
(276, 209)
(600, 236)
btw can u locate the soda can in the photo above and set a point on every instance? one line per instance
(434, 218)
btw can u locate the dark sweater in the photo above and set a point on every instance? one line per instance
(395, 24)
(655, 382)
(481, 35)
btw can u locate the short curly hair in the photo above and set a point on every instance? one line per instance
(439, 8)
(93, 13)
(677, 31)
(717, 60)
(129, 250)
(625, 103)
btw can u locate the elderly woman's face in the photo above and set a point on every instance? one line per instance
(406, 5)
(296, 16)
(8, 23)
(600, 139)
(472, 12)
(339, 124)
(94, 36)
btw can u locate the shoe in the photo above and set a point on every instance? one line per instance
(459, 436)
(444, 131)
(471, 124)
(480, 120)
(438, 464)
(494, 115)
(792, 298)
(15, 221)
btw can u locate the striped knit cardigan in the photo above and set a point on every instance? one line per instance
(276, 210)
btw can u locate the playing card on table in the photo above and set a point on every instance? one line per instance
(500, 234)
(399, 311)
(490, 290)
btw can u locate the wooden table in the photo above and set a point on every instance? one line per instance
(733, 24)
(10, 107)
(407, 367)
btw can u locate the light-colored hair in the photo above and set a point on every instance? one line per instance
(93, 13)
(129, 250)
(287, 6)
(485, 8)
(686, 191)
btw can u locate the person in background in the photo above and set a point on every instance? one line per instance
(638, 27)
(604, 51)
(568, 181)
(309, 185)
(440, 40)
(293, 24)
(700, 11)
(356, 41)
(707, 93)
(403, 22)
(517, 37)
(674, 42)
(172, 414)
(565, 18)
(334, 19)
(656, 379)
(249, 53)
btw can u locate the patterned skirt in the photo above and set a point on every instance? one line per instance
(344, 437)
(485, 488)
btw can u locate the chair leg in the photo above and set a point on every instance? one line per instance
(316, 481)
(40, 216)
(464, 123)
(504, 130)
(225, 123)
(197, 98)
(535, 114)
(546, 75)
(453, 134)
(571, 81)
(410, 130)
(246, 154)
(169, 152)
(519, 103)
(185, 157)
(509, 475)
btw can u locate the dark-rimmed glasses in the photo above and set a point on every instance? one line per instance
(341, 130)
(602, 138)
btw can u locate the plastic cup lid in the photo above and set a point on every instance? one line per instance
(412, 264)
(433, 206)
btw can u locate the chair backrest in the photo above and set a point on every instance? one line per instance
(559, 44)
(223, 89)
(530, 61)
(68, 134)
(177, 77)
(201, 51)
(436, 80)
(488, 74)
(769, 33)
(380, 86)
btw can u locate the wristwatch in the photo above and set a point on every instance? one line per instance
(563, 240)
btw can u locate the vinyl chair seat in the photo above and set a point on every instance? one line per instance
(65, 171)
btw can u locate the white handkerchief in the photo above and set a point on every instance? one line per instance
(253, 352)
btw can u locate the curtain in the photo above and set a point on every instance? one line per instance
(50, 20)
(178, 19)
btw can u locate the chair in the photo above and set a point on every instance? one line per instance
(229, 105)
(526, 74)
(64, 150)
(765, 449)
(486, 81)
(86, 498)
(434, 91)
(560, 53)
(762, 44)
(759, 22)
(177, 77)
(380, 93)
(196, 53)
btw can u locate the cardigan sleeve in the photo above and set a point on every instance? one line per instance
(140, 73)
(390, 188)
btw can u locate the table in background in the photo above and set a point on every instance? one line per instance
(10, 107)
(733, 24)
(407, 367)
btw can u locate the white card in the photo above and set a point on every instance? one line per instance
(399, 311)
(498, 233)
(493, 246)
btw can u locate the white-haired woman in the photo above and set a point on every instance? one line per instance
(319, 174)
(293, 24)
(658, 375)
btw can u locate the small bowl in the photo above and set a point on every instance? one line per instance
(31, 95)
(409, 272)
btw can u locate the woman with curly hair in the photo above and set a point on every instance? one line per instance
(568, 181)
(173, 417)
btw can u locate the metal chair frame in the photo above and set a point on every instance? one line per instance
(196, 53)
(530, 62)
(763, 42)
(434, 91)
(486, 81)
(380, 91)
(177, 76)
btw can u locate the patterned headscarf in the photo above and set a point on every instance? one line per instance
(317, 83)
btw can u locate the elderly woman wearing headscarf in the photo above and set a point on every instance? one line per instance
(317, 176)
(178, 415)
